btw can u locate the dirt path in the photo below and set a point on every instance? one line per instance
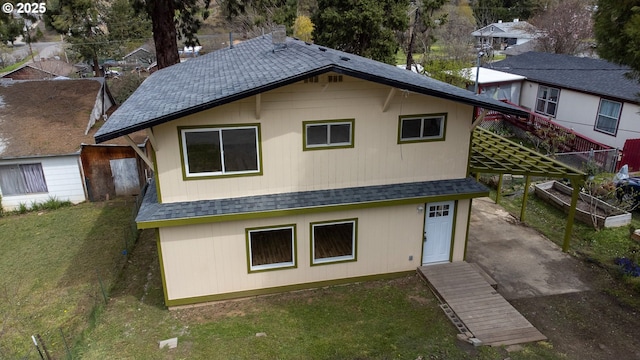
(565, 298)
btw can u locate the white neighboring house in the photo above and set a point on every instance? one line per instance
(40, 138)
(500, 35)
(591, 96)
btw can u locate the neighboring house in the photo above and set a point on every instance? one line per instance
(143, 56)
(591, 96)
(40, 70)
(495, 84)
(291, 166)
(500, 35)
(42, 126)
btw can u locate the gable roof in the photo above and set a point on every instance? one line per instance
(588, 75)
(512, 29)
(45, 117)
(29, 72)
(253, 67)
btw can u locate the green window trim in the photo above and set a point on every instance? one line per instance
(224, 163)
(272, 266)
(424, 122)
(333, 259)
(338, 141)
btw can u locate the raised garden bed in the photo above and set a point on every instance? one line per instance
(606, 214)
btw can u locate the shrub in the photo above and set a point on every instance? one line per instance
(628, 267)
(1, 208)
(22, 208)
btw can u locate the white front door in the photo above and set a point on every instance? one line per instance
(438, 224)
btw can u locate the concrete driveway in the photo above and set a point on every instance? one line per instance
(522, 261)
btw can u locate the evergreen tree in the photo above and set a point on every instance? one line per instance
(173, 20)
(617, 31)
(367, 27)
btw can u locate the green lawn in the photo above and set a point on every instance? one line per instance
(52, 263)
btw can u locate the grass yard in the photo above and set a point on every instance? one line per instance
(394, 319)
(52, 263)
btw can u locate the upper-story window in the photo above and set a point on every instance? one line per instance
(328, 134)
(608, 116)
(416, 128)
(21, 179)
(224, 150)
(547, 101)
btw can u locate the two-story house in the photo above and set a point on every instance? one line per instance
(591, 96)
(291, 166)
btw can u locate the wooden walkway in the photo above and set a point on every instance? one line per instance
(482, 310)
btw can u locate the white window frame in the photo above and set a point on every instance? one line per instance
(281, 265)
(547, 101)
(617, 118)
(328, 124)
(219, 129)
(334, 259)
(443, 123)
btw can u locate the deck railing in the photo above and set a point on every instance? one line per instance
(545, 129)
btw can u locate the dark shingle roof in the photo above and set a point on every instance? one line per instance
(151, 211)
(252, 67)
(571, 72)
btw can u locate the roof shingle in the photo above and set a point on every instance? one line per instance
(571, 72)
(253, 67)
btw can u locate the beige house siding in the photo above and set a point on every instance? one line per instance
(211, 259)
(578, 111)
(376, 158)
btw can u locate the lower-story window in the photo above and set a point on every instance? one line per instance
(333, 241)
(21, 179)
(271, 248)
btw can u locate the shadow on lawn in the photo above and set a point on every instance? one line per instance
(100, 256)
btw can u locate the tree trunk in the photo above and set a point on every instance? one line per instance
(164, 33)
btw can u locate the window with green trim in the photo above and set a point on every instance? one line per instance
(328, 134)
(220, 151)
(333, 241)
(422, 127)
(271, 248)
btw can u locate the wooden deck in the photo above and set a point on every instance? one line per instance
(482, 310)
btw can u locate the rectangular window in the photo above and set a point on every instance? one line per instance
(21, 179)
(271, 248)
(608, 116)
(333, 241)
(328, 134)
(416, 128)
(220, 150)
(547, 101)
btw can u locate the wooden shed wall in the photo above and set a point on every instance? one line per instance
(96, 164)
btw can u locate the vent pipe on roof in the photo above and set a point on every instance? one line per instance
(279, 37)
(230, 40)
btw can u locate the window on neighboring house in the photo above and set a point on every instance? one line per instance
(416, 128)
(220, 150)
(328, 134)
(271, 248)
(22, 179)
(608, 116)
(333, 241)
(547, 101)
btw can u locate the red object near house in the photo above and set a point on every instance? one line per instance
(631, 155)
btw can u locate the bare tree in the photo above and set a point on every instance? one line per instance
(565, 27)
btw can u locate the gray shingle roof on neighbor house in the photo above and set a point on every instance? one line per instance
(151, 211)
(583, 74)
(252, 67)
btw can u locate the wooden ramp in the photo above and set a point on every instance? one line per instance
(482, 310)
